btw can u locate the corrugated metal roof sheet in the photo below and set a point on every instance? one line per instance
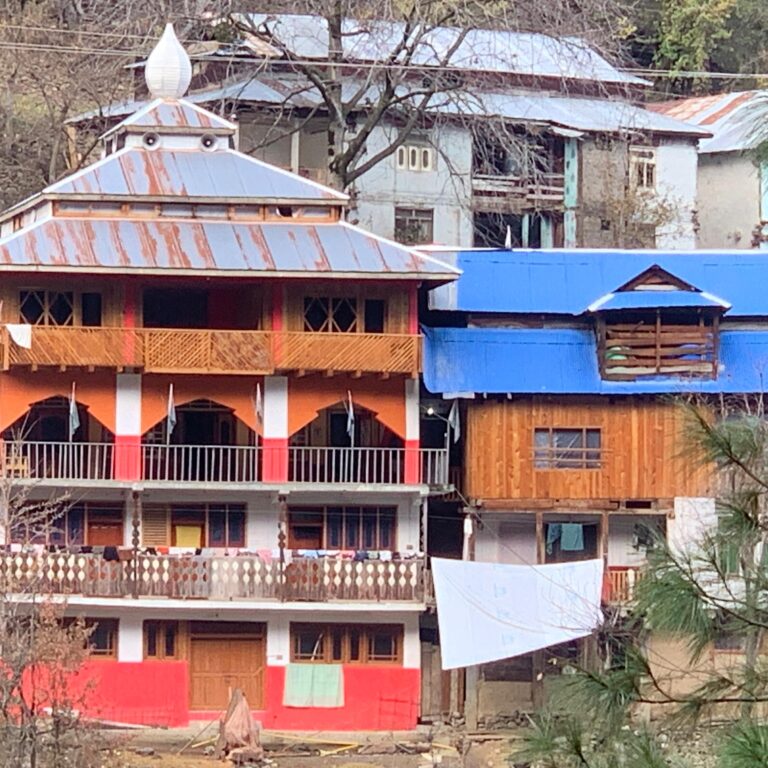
(573, 112)
(221, 173)
(656, 300)
(567, 281)
(480, 50)
(563, 361)
(732, 118)
(175, 113)
(126, 245)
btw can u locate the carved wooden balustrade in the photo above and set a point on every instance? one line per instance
(213, 578)
(173, 350)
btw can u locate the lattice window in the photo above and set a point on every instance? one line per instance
(566, 448)
(323, 314)
(346, 644)
(47, 307)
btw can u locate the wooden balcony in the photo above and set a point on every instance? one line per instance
(252, 353)
(243, 577)
(621, 584)
(222, 464)
(499, 192)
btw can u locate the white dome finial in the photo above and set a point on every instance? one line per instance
(168, 69)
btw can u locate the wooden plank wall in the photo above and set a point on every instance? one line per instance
(643, 450)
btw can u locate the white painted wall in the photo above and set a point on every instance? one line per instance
(676, 181)
(692, 518)
(447, 189)
(728, 200)
(130, 639)
(262, 516)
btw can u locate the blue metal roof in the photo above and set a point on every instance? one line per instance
(213, 246)
(565, 282)
(565, 361)
(223, 173)
(657, 300)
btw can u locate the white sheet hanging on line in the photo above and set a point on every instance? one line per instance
(488, 611)
(21, 334)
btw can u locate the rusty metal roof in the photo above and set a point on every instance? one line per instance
(729, 117)
(221, 247)
(222, 173)
(174, 113)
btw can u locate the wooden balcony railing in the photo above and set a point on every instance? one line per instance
(171, 350)
(214, 578)
(544, 188)
(621, 584)
(222, 463)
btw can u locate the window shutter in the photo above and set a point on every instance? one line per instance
(154, 527)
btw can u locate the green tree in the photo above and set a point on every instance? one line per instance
(702, 593)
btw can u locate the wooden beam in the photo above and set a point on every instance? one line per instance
(357, 374)
(604, 528)
(541, 551)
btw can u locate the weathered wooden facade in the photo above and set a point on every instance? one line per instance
(639, 456)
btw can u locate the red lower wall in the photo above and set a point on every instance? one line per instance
(376, 698)
(145, 693)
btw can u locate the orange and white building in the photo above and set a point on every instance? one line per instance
(222, 375)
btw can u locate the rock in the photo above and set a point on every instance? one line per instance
(144, 751)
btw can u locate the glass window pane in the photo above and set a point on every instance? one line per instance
(333, 533)
(308, 644)
(369, 529)
(387, 529)
(352, 529)
(337, 644)
(217, 527)
(382, 645)
(150, 632)
(170, 640)
(236, 528)
(354, 644)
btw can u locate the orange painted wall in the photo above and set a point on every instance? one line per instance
(308, 396)
(20, 390)
(236, 392)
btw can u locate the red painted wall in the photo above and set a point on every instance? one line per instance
(145, 693)
(376, 698)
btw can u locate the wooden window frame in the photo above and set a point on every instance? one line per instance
(58, 531)
(161, 627)
(168, 511)
(331, 305)
(344, 633)
(345, 511)
(113, 629)
(583, 457)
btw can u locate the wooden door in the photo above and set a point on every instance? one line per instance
(218, 665)
(103, 532)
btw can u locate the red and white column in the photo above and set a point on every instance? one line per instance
(412, 470)
(275, 434)
(127, 458)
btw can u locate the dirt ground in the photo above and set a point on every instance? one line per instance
(317, 750)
